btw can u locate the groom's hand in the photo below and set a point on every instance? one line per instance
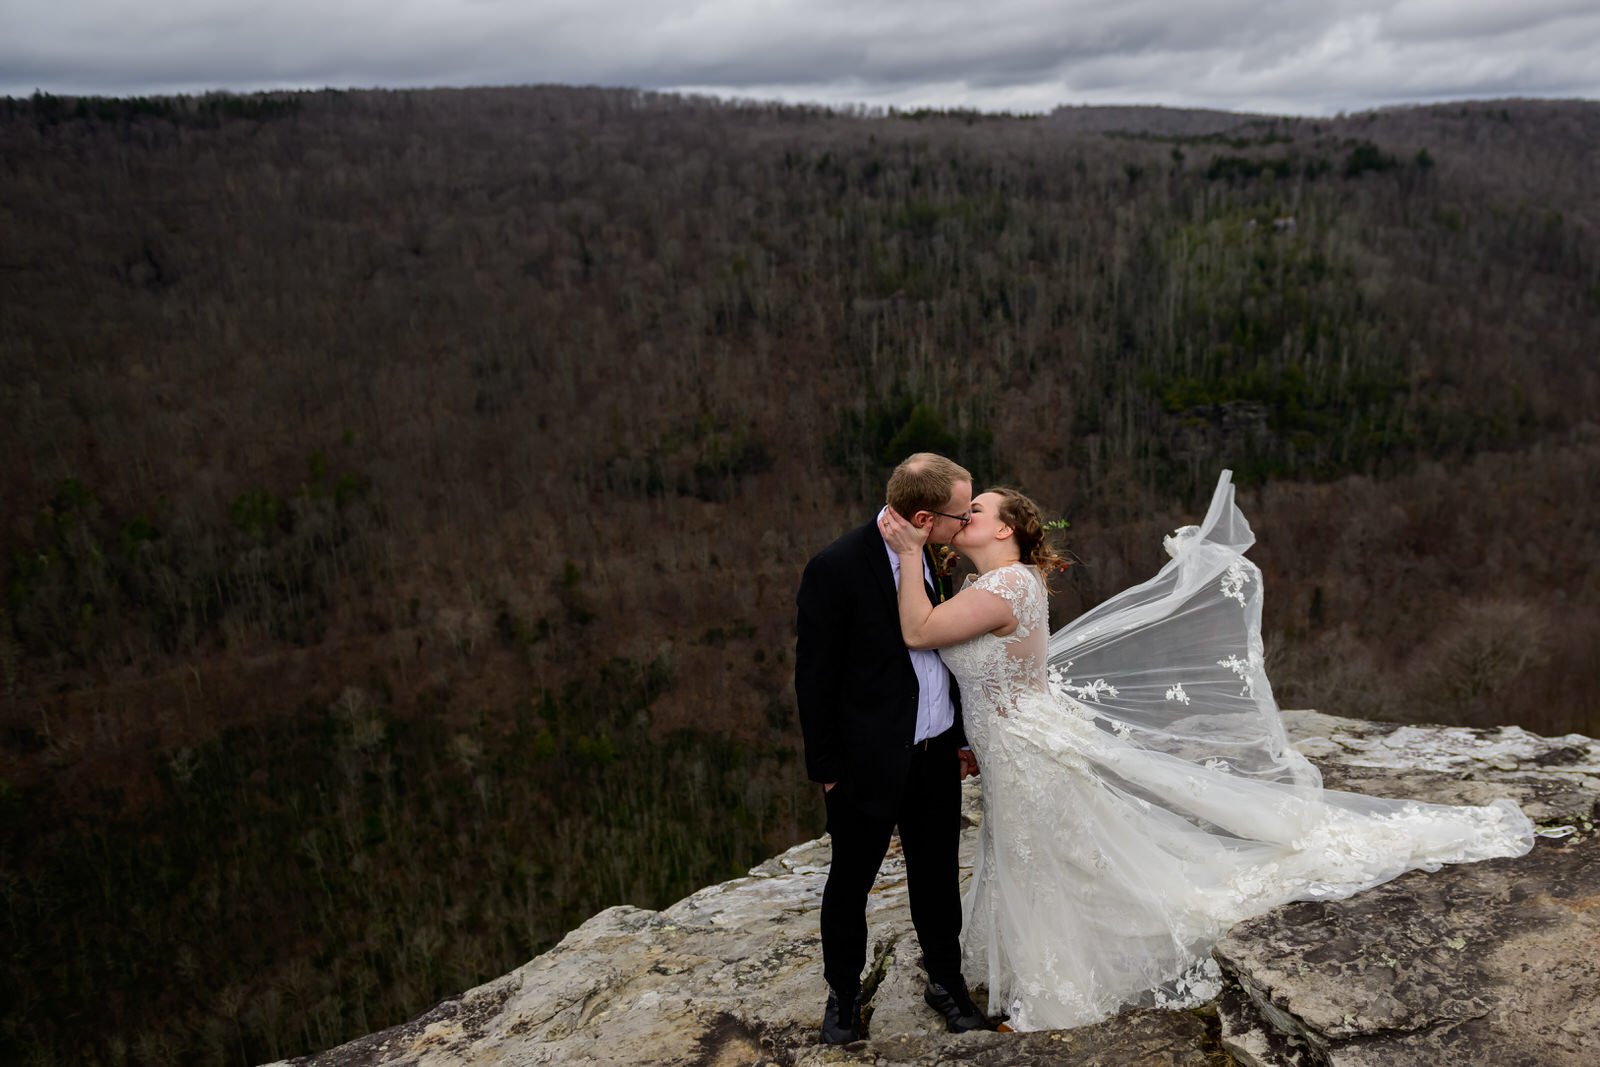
(827, 787)
(969, 764)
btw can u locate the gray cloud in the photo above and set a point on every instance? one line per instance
(1449, 20)
(1300, 56)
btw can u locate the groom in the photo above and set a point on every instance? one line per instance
(883, 735)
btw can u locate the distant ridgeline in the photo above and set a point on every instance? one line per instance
(405, 491)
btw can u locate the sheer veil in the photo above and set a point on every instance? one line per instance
(1175, 667)
(1176, 664)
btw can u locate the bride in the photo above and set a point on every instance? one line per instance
(1140, 795)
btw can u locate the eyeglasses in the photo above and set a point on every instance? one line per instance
(963, 518)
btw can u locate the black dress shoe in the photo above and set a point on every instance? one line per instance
(953, 1002)
(837, 1030)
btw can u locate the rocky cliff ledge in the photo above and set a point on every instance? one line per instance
(1497, 962)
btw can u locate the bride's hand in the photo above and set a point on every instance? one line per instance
(900, 535)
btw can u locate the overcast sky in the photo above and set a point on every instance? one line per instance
(1288, 56)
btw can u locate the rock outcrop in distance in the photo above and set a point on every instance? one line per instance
(1494, 962)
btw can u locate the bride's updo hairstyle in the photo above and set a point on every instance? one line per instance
(1019, 512)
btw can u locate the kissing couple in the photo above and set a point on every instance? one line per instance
(1140, 795)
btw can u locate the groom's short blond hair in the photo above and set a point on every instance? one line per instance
(924, 481)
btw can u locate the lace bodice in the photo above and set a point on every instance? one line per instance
(994, 672)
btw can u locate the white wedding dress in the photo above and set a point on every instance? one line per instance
(1140, 795)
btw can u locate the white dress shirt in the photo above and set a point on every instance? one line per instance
(936, 713)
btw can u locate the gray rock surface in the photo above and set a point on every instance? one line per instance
(1500, 958)
(1496, 963)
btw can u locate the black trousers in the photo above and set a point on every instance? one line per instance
(929, 818)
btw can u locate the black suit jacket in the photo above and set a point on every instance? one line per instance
(854, 681)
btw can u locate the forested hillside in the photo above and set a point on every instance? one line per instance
(404, 492)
